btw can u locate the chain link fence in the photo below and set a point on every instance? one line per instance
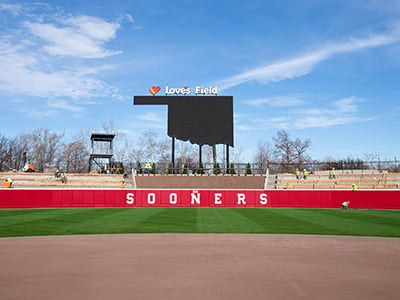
(352, 166)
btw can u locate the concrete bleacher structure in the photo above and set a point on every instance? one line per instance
(35, 180)
(200, 181)
(343, 181)
(113, 181)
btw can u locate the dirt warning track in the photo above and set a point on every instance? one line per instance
(199, 266)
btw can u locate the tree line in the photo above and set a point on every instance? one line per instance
(44, 149)
(285, 155)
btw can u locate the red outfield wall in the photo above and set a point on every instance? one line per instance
(383, 199)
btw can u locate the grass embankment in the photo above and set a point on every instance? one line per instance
(65, 221)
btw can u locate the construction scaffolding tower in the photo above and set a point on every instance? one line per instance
(102, 151)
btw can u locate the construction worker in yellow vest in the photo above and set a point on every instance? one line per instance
(147, 168)
(353, 187)
(332, 174)
(298, 174)
(63, 177)
(345, 204)
(305, 174)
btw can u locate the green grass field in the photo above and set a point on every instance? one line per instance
(27, 222)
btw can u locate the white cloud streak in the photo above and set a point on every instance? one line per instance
(343, 111)
(64, 105)
(14, 9)
(150, 116)
(80, 36)
(304, 64)
(24, 74)
(28, 71)
(277, 101)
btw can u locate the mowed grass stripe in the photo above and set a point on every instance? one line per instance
(360, 222)
(20, 222)
(112, 220)
(370, 216)
(341, 222)
(72, 221)
(25, 222)
(177, 220)
(286, 220)
(334, 224)
(15, 216)
(225, 220)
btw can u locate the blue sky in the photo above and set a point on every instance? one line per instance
(324, 70)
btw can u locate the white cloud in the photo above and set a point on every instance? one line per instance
(125, 17)
(313, 121)
(277, 101)
(94, 28)
(243, 127)
(43, 84)
(347, 105)
(238, 120)
(51, 108)
(34, 111)
(304, 64)
(25, 73)
(14, 9)
(343, 111)
(27, 70)
(80, 36)
(63, 105)
(276, 122)
(150, 116)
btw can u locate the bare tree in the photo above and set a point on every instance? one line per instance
(149, 148)
(211, 155)
(186, 153)
(42, 147)
(207, 153)
(6, 153)
(371, 159)
(17, 153)
(235, 154)
(120, 152)
(263, 155)
(163, 147)
(290, 153)
(300, 149)
(148, 142)
(135, 157)
(74, 157)
(284, 149)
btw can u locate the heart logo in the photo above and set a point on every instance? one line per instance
(154, 90)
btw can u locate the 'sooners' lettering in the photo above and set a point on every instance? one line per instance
(195, 199)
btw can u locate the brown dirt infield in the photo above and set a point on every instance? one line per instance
(199, 266)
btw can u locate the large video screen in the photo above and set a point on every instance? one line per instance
(202, 120)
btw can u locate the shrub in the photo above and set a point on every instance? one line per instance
(248, 169)
(232, 169)
(201, 169)
(217, 169)
(185, 169)
(170, 169)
